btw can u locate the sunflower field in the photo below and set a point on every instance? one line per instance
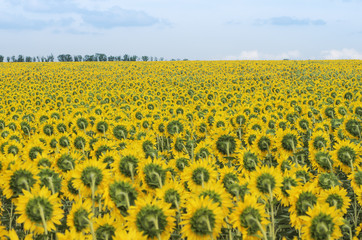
(191, 150)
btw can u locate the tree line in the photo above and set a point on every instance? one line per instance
(98, 57)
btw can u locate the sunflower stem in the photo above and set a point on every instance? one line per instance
(50, 179)
(202, 179)
(207, 221)
(130, 166)
(355, 215)
(41, 210)
(259, 225)
(127, 199)
(155, 222)
(23, 181)
(272, 212)
(94, 236)
(158, 178)
(93, 185)
(11, 215)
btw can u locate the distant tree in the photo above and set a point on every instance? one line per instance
(156, 59)
(133, 58)
(89, 58)
(38, 58)
(78, 58)
(145, 58)
(20, 58)
(111, 58)
(50, 58)
(1, 58)
(8, 59)
(125, 57)
(34, 59)
(13, 58)
(162, 59)
(101, 57)
(28, 59)
(44, 59)
(65, 58)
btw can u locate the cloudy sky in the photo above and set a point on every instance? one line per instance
(193, 29)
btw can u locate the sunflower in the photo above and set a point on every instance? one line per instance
(228, 176)
(289, 182)
(33, 148)
(319, 141)
(302, 198)
(264, 144)
(91, 177)
(130, 234)
(321, 160)
(108, 158)
(69, 191)
(346, 155)
(172, 193)
(217, 194)
(50, 179)
(152, 218)
(249, 137)
(226, 144)
(13, 147)
(127, 163)
(250, 218)
(198, 174)
(80, 141)
(265, 182)
(19, 177)
(65, 161)
(287, 141)
(327, 180)
(44, 160)
(107, 227)
(121, 194)
(322, 222)
(302, 173)
(203, 219)
(72, 235)
(356, 179)
(336, 197)
(79, 218)
(248, 160)
(352, 127)
(39, 210)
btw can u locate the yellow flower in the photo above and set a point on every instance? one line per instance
(152, 218)
(302, 198)
(346, 155)
(322, 222)
(249, 217)
(91, 177)
(203, 219)
(265, 181)
(79, 218)
(198, 174)
(21, 176)
(336, 197)
(39, 210)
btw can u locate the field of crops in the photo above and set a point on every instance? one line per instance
(181, 150)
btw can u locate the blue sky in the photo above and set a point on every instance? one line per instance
(193, 29)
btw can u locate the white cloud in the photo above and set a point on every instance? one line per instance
(345, 53)
(257, 55)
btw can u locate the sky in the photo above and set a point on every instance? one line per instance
(179, 29)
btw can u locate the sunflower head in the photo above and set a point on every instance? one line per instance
(322, 222)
